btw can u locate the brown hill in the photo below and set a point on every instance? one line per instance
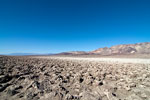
(138, 48)
(73, 53)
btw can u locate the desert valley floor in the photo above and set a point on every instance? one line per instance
(74, 78)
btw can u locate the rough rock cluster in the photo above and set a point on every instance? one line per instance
(27, 78)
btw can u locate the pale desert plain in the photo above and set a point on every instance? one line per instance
(74, 78)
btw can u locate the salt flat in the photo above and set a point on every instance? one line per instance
(74, 78)
(108, 60)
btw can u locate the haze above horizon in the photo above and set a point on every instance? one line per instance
(52, 26)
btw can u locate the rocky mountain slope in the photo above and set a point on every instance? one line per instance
(138, 48)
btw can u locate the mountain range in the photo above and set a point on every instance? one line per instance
(25, 54)
(138, 48)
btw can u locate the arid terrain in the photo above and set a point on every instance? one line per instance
(74, 78)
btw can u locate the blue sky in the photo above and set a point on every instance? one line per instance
(52, 26)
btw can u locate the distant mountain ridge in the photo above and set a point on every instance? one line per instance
(73, 53)
(123, 49)
(25, 54)
(138, 48)
(22, 54)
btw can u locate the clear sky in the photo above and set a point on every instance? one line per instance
(51, 26)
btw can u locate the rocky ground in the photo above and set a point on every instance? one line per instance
(54, 78)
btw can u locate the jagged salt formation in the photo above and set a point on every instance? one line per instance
(28, 78)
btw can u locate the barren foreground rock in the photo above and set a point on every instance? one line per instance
(60, 78)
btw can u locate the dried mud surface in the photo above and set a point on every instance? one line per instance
(54, 78)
